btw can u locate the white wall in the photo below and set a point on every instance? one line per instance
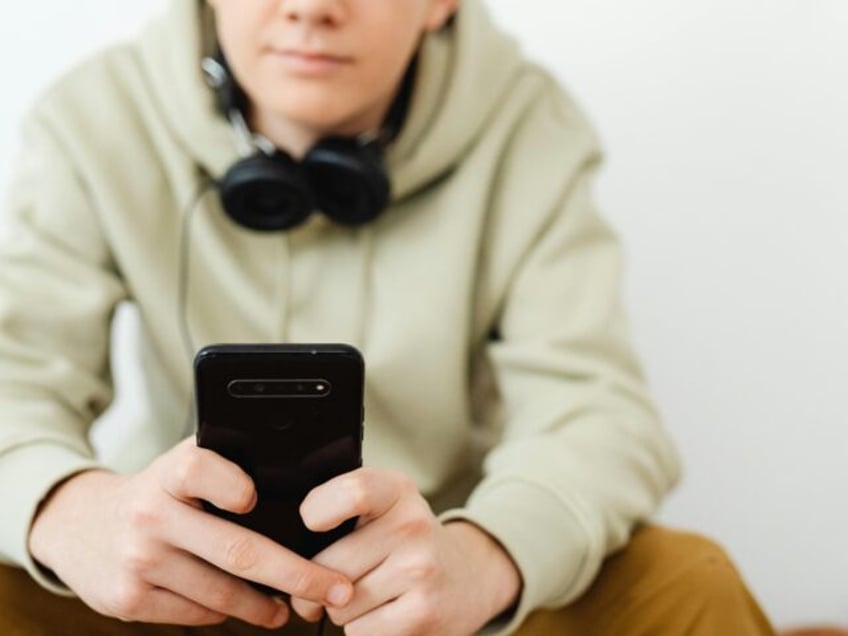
(725, 125)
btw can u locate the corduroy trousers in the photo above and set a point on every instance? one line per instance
(664, 582)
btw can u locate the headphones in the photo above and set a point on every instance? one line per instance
(268, 190)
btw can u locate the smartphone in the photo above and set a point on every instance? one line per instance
(291, 416)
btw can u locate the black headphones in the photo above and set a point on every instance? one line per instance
(267, 190)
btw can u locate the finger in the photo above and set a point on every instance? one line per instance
(307, 610)
(361, 551)
(367, 493)
(155, 605)
(396, 618)
(198, 473)
(216, 590)
(374, 590)
(252, 556)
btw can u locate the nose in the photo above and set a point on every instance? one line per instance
(327, 13)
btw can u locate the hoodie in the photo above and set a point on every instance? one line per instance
(485, 299)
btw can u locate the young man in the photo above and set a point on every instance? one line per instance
(511, 443)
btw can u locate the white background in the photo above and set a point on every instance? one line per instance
(726, 128)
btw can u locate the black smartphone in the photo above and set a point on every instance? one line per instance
(291, 416)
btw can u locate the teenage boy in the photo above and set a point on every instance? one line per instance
(511, 442)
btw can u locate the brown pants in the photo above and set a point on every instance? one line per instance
(664, 583)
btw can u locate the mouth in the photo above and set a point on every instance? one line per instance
(309, 62)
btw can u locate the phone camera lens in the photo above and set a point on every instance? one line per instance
(300, 388)
(259, 388)
(235, 388)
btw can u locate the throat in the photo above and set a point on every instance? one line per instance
(286, 135)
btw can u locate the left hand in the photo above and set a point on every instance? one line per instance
(412, 575)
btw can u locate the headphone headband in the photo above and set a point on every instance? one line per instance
(343, 177)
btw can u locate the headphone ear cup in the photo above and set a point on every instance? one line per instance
(348, 180)
(266, 193)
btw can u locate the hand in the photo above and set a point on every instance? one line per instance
(140, 547)
(412, 575)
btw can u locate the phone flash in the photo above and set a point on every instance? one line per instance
(320, 388)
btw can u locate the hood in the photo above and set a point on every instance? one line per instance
(464, 72)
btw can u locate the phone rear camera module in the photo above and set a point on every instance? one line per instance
(280, 388)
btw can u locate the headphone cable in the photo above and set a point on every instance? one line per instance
(186, 216)
(184, 263)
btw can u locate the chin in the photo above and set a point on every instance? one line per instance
(319, 118)
(319, 107)
(325, 119)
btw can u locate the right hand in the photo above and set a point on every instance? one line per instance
(141, 548)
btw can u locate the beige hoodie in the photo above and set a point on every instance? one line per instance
(485, 299)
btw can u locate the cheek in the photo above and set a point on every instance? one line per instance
(238, 32)
(387, 60)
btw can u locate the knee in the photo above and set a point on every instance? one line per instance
(28, 608)
(663, 582)
(695, 569)
(18, 608)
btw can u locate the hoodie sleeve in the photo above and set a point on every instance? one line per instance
(582, 455)
(58, 291)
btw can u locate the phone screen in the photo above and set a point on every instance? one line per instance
(291, 417)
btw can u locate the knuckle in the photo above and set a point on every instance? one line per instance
(139, 561)
(217, 619)
(305, 584)
(143, 514)
(422, 567)
(405, 483)
(243, 495)
(128, 601)
(222, 598)
(414, 526)
(421, 613)
(357, 491)
(307, 609)
(209, 618)
(240, 555)
(187, 470)
(336, 617)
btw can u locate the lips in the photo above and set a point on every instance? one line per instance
(315, 55)
(311, 62)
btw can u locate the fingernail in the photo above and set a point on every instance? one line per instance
(339, 595)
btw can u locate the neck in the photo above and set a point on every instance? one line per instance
(297, 138)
